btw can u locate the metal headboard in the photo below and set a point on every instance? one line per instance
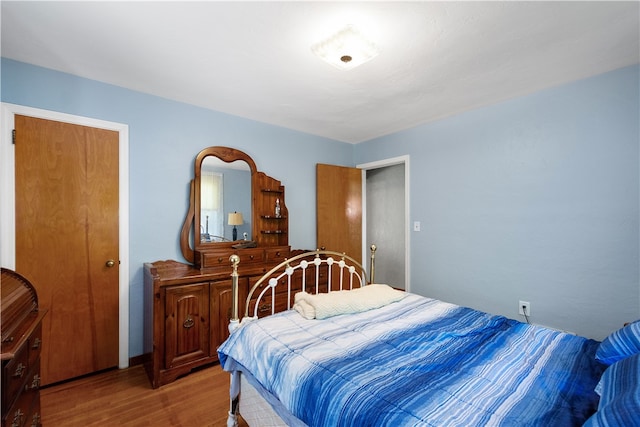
(349, 271)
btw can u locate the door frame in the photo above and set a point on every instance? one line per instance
(7, 208)
(407, 235)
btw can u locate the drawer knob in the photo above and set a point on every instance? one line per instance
(188, 323)
(36, 420)
(36, 343)
(19, 370)
(18, 417)
(264, 308)
(35, 383)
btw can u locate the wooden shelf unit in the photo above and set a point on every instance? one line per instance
(271, 230)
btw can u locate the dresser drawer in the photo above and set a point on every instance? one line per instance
(15, 374)
(213, 259)
(32, 386)
(25, 411)
(19, 412)
(321, 289)
(253, 281)
(220, 259)
(251, 256)
(35, 345)
(264, 309)
(276, 255)
(313, 275)
(281, 287)
(34, 419)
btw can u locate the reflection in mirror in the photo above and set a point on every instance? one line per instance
(225, 188)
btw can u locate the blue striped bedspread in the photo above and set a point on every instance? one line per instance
(419, 362)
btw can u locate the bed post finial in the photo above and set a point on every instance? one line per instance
(234, 321)
(372, 268)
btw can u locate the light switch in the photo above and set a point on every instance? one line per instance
(416, 226)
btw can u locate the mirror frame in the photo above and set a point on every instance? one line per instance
(193, 220)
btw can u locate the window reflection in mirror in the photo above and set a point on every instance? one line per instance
(224, 188)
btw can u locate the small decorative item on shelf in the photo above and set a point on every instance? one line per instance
(277, 208)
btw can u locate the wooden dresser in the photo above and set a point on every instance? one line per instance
(21, 322)
(188, 305)
(188, 308)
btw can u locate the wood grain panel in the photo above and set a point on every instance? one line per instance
(66, 230)
(339, 209)
(186, 323)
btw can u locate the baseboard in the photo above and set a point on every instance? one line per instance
(139, 360)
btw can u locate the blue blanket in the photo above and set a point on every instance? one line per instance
(419, 362)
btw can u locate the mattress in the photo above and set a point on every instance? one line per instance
(255, 410)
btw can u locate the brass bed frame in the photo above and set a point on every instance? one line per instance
(342, 271)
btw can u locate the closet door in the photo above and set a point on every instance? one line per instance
(67, 240)
(339, 209)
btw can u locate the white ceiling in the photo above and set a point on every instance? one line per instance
(253, 59)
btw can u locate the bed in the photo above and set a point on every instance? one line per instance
(363, 354)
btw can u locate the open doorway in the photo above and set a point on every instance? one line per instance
(386, 218)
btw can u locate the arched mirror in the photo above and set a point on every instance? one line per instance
(225, 200)
(221, 210)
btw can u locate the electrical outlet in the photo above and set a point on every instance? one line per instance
(524, 308)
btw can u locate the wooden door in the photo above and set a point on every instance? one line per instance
(66, 232)
(339, 209)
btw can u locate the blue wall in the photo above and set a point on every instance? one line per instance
(533, 199)
(164, 138)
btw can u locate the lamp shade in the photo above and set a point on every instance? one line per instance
(235, 218)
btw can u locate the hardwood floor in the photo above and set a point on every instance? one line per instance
(125, 398)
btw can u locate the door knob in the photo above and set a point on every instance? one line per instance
(110, 263)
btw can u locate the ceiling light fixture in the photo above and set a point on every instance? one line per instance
(347, 49)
